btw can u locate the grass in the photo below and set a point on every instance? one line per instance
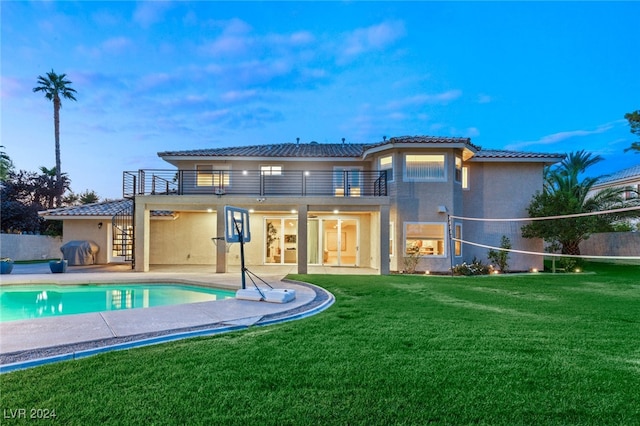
(513, 349)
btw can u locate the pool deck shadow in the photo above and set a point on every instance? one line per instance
(33, 342)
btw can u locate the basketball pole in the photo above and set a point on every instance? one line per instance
(241, 237)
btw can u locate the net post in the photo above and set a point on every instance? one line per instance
(451, 242)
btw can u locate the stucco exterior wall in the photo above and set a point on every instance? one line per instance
(30, 247)
(495, 193)
(185, 240)
(89, 229)
(420, 202)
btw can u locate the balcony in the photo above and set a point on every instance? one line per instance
(290, 183)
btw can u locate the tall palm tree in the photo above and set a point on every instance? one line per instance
(55, 87)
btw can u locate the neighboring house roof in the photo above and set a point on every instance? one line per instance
(622, 176)
(499, 155)
(105, 209)
(355, 150)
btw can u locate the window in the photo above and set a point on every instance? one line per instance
(465, 177)
(458, 169)
(424, 167)
(386, 163)
(631, 192)
(207, 176)
(271, 170)
(457, 245)
(424, 239)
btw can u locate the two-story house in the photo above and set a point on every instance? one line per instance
(341, 204)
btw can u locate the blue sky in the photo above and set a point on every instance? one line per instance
(156, 76)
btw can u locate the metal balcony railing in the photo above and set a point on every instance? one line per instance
(293, 183)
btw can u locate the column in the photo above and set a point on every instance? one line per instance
(302, 239)
(221, 246)
(384, 240)
(141, 235)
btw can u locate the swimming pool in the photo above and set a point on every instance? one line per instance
(19, 302)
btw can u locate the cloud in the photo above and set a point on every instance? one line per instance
(148, 13)
(10, 87)
(555, 138)
(373, 38)
(239, 95)
(423, 99)
(116, 44)
(484, 99)
(112, 46)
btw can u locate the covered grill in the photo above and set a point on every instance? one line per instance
(80, 252)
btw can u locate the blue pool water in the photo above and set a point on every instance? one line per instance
(18, 302)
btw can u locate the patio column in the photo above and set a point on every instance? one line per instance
(384, 240)
(221, 246)
(302, 238)
(141, 235)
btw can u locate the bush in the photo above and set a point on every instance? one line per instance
(410, 262)
(501, 257)
(476, 267)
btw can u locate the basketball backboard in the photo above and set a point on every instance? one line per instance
(236, 225)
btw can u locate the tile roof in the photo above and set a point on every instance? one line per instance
(628, 173)
(311, 149)
(105, 208)
(102, 209)
(503, 154)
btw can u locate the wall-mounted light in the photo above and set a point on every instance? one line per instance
(99, 225)
(442, 209)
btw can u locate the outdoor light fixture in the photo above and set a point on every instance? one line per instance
(442, 209)
(99, 225)
(336, 211)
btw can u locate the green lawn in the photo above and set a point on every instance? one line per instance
(513, 349)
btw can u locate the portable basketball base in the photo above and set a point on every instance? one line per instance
(236, 230)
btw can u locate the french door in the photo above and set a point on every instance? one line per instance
(333, 242)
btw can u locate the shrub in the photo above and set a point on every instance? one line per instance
(410, 262)
(501, 257)
(476, 267)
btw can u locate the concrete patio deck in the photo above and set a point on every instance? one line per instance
(33, 342)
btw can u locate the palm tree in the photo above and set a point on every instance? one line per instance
(48, 186)
(634, 123)
(6, 165)
(54, 87)
(566, 194)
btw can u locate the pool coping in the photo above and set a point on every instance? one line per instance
(29, 358)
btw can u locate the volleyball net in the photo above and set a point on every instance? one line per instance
(476, 236)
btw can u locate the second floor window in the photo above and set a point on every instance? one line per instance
(271, 170)
(386, 163)
(207, 176)
(458, 169)
(424, 167)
